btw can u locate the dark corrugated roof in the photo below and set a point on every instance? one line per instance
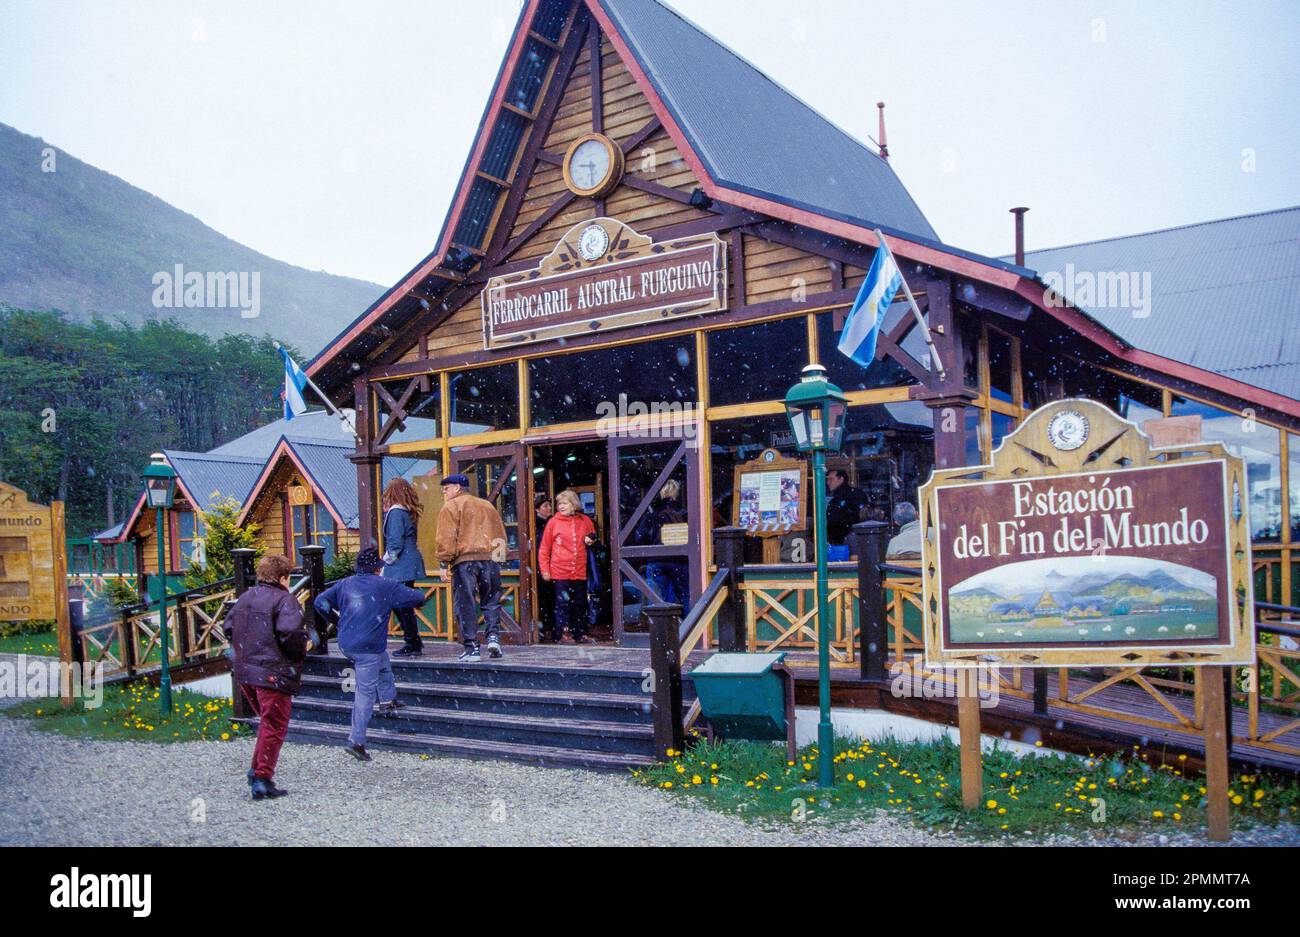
(1224, 295)
(211, 478)
(754, 135)
(333, 475)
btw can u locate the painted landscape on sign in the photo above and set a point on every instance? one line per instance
(1107, 599)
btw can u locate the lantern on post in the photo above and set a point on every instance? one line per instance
(816, 409)
(159, 493)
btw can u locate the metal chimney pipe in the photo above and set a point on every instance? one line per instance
(1020, 235)
(884, 144)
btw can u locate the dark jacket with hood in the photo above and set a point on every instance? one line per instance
(268, 638)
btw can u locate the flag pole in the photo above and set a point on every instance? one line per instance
(920, 319)
(321, 394)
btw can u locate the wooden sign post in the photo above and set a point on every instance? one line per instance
(1082, 545)
(770, 499)
(34, 568)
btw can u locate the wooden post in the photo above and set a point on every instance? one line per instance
(313, 561)
(1040, 691)
(873, 627)
(62, 611)
(245, 574)
(968, 728)
(1216, 757)
(127, 643)
(729, 554)
(664, 622)
(245, 578)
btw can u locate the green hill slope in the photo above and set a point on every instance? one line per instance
(85, 242)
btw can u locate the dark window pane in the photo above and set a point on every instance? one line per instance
(757, 362)
(484, 400)
(572, 388)
(1002, 425)
(847, 373)
(1000, 376)
(888, 453)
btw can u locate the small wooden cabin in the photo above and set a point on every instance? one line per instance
(651, 239)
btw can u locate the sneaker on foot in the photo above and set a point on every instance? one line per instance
(409, 651)
(494, 649)
(470, 655)
(387, 709)
(359, 752)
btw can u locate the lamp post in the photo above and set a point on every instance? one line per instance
(816, 409)
(159, 491)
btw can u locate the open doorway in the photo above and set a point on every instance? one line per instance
(581, 466)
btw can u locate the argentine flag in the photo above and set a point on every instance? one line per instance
(862, 326)
(294, 382)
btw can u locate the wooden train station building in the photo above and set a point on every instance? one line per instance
(651, 239)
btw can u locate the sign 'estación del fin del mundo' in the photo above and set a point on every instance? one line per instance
(1083, 545)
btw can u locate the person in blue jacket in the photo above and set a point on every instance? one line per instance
(402, 559)
(361, 605)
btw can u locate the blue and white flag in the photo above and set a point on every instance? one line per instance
(294, 382)
(862, 326)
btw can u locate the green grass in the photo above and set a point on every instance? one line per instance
(922, 782)
(46, 643)
(133, 712)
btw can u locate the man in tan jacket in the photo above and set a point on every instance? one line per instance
(471, 545)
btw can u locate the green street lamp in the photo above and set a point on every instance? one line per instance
(159, 492)
(816, 409)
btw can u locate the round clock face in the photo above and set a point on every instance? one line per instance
(1068, 430)
(593, 242)
(590, 165)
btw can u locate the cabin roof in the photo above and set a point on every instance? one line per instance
(754, 135)
(209, 477)
(324, 466)
(313, 426)
(1224, 294)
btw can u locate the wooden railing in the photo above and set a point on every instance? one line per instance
(876, 610)
(436, 617)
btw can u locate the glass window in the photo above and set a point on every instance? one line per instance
(974, 429)
(1000, 425)
(324, 530)
(1260, 447)
(423, 410)
(189, 540)
(1293, 473)
(1140, 402)
(888, 454)
(847, 373)
(742, 440)
(582, 387)
(424, 471)
(484, 400)
(298, 514)
(970, 342)
(1000, 373)
(1041, 375)
(757, 362)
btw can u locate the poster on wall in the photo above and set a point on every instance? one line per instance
(771, 495)
(1082, 544)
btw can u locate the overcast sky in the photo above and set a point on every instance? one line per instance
(331, 134)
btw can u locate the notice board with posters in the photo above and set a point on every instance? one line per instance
(1082, 544)
(770, 495)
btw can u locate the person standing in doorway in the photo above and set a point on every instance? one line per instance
(471, 544)
(563, 562)
(402, 559)
(362, 604)
(269, 643)
(545, 590)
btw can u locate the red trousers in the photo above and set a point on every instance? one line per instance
(272, 709)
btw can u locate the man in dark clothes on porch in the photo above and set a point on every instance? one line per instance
(269, 643)
(362, 605)
(844, 507)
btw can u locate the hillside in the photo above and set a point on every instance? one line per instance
(87, 243)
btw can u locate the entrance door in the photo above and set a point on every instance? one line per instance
(656, 530)
(495, 474)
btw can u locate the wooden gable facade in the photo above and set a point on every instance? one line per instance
(290, 510)
(432, 397)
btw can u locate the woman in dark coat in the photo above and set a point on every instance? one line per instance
(269, 642)
(402, 558)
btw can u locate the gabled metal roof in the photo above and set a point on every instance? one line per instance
(332, 475)
(754, 135)
(315, 425)
(1224, 295)
(210, 478)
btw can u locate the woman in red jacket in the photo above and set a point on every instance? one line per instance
(563, 559)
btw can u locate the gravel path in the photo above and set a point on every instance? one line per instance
(56, 790)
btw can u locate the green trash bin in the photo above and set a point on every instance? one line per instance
(747, 696)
